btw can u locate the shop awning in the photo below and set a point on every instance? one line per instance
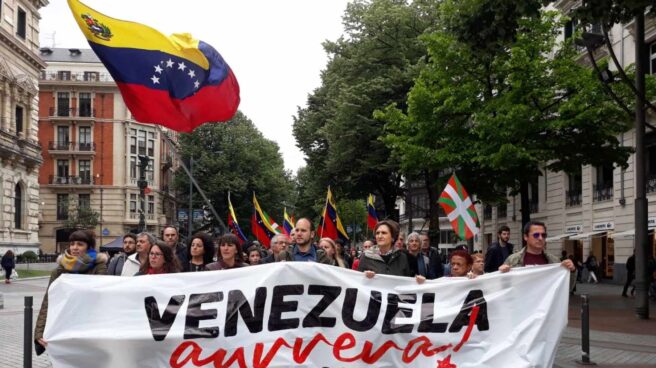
(558, 237)
(628, 234)
(586, 235)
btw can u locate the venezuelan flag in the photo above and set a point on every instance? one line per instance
(372, 215)
(177, 81)
(262, 225)
(330, 226)
(287, 223)
(233, 225)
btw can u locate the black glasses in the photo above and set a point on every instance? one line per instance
(155, 254)
(538, 235)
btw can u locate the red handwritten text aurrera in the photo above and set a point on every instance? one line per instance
(190, 353)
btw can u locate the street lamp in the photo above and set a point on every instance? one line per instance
(142, 183)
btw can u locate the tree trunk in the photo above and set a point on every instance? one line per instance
(432, 178)
(525, 207)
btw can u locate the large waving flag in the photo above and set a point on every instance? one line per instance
(459, 209)
(330, 225)
(233, 225)
(175, 81)
(287, 223)
(262, 225)
(372, 215)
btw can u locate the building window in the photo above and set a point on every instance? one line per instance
(133, 145)
(534, 196)
(602, 190)
(133, 167)
(574, 189)
(18, 206)
(62, 206)
(447, 236)
(84, 201)
(21, 23)
(90, 76)
(487, 212)
(151, 204)
(63, 138)
(64, 75)
(84, 171)
(133, 203)
(570, 28)
(502, 210)
(84, 135)
(85, 104)
(62, 169)
(20, 116)
(63, 104)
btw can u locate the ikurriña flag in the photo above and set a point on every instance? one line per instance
(372, 215)
(262, 225)
(459, 209)
(177, 81)
(287, 223)
(330, 225)
(233, 225)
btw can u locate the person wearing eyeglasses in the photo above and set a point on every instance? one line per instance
(535, 235)
(279, 243)
(161, 260)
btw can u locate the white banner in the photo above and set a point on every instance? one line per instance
(291, 313)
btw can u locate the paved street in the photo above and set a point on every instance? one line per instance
(617, 338)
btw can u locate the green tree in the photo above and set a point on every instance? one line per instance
(371, 66)
(81, 217)
(496, 115)
(234, 157)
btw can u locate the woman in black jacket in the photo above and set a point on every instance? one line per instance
(8, 264)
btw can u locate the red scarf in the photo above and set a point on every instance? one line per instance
(152, 271)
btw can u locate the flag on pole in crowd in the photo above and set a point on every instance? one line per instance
(262, 225)
(233, 225)
(372, 215)
(459, 209)
(330, 225)
(175, 81)
(287, 223)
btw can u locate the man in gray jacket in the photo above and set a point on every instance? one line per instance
(134, 262)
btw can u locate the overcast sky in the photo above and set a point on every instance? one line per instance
(274, 47)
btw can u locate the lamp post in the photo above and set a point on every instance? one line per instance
(99, 183)
(142, 183)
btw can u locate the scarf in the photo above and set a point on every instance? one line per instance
(80, 264)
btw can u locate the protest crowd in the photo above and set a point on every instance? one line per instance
(388, 253)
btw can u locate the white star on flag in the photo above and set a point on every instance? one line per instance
(169, 63)
(181, 66)
(158, 69)
(196, 84)
(191, 73)
(155, 80)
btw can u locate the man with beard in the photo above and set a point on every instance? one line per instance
(304, 249)
(129, 247)
(134, 262)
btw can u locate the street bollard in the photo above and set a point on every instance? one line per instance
(585, 331)
(27, 333)
(2, 301)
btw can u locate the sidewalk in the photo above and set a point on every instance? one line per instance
(617, 337)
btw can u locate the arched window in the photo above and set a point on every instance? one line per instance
(18, 205)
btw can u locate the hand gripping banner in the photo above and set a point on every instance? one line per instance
(306, 314)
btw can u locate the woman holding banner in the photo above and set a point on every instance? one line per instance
(229, 254)
(79, 258)
(384, 258)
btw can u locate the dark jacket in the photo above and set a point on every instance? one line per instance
(100, 268)
(494, 257)
(435, 266)
(321, 254)
(219, 265)
(8, 262)
(398, 263)
(116, 264)
(181, 253)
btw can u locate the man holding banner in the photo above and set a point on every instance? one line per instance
(535, 235)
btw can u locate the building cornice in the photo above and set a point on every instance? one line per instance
(25, 53)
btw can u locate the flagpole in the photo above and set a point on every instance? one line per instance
(325, 208)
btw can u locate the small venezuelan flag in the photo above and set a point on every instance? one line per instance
(177, 81)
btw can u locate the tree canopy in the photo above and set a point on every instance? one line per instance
(234, 157)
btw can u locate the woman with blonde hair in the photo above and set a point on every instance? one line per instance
(328, 245)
